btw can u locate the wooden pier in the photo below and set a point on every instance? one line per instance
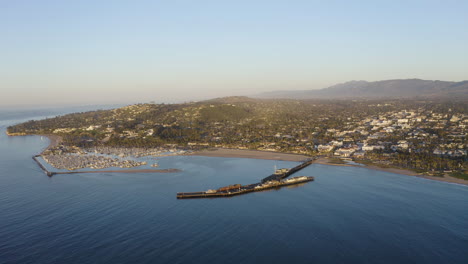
(273, 181)
(280, 176)
(256, 187)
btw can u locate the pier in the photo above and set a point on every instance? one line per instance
(280, 174)
(276, 180)
(256, 187)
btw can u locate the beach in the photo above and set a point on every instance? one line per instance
(250, 154)
(54, 141)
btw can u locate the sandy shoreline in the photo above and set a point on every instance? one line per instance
(250, 154)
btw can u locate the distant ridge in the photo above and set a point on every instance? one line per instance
(404, 88)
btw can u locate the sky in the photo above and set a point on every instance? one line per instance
(103, 52)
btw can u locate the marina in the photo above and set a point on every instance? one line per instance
(52, 173)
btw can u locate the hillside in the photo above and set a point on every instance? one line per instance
(407, 88)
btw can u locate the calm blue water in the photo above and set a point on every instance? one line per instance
(348, 215)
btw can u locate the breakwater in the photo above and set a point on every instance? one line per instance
(46, 171)
(122, 171)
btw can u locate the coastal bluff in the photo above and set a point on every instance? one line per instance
(12, 134)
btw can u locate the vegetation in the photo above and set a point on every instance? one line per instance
(336, 161)
(460, 175)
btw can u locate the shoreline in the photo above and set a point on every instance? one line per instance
(55, 140)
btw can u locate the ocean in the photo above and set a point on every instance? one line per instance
(347, 215)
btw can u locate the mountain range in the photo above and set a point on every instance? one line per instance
(401, 88)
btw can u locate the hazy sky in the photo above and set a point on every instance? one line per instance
(59, 52)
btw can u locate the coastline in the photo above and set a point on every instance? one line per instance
(55, 140)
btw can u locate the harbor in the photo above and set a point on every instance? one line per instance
(276, 180)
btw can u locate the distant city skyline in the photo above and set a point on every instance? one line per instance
(117, 52)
